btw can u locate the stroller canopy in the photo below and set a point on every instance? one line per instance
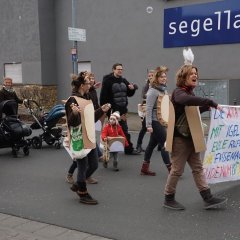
(9, 108)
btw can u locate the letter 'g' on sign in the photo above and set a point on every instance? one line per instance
(202, 24)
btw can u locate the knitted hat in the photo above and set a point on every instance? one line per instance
(116, 114)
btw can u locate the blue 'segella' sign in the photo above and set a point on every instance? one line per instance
(202, 24)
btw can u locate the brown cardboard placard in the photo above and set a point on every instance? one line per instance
(170, 128)
(87, 121)
(196, 129)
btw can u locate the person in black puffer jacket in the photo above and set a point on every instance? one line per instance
(116, 90)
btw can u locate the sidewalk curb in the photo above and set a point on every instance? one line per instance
(16, 228)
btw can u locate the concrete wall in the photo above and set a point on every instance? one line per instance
(63, 16)
(19, 38)
(35, 33)
(122, 31)
(47, 34)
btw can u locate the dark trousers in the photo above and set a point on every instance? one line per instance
(99, 151)
(72, 167)
(142, 132)
(124, 126)
(158, 137)
(86, 166)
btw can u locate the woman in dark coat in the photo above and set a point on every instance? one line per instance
(87, 165)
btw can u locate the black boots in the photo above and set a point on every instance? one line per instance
(171, 203)
(85, 197)
(211, 201)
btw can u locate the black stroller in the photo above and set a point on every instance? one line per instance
(47, 122)
(12, 130)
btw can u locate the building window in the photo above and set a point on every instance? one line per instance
(84, 66)
(14, 71)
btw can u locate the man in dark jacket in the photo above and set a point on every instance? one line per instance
(116, 90)
(7, 93)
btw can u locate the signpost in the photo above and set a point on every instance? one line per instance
(75, 35)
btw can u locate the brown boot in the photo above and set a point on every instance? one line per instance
(145, 169)
(86, 198)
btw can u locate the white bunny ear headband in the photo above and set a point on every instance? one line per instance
(188, 56)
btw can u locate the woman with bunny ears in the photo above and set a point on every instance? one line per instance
(183, 150)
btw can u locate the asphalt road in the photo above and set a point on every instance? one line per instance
(130, 205)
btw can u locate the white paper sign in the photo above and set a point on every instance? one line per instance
(77, 34)
(222, 157)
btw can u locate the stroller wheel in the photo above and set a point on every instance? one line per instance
(58, 145)
(50, 141)
(26, 150)
(36, 142)
(29, 142)
(15, 151)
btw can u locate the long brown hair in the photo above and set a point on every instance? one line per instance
(158, 72)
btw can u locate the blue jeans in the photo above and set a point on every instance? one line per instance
(158, 137)
(87, 166)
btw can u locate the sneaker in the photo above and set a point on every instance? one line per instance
(214, 202)
(174, 205)
(86, 198)
(91, 180)
(70, 179)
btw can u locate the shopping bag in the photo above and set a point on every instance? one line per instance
(75, 146)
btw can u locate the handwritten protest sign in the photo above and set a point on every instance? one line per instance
(222, 157)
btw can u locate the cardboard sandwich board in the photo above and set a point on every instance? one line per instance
(88, 124)
(195, 125)
(170, 128)
(115, 144)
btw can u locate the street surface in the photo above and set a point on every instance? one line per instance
(130, 205)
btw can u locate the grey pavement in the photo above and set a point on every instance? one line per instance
(17, 228)
(36, 203)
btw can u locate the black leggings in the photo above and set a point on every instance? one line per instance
(158, 137)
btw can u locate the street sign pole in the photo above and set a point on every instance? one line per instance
(74, 58)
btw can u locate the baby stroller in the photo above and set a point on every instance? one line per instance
(47, 122)
(12, 130)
